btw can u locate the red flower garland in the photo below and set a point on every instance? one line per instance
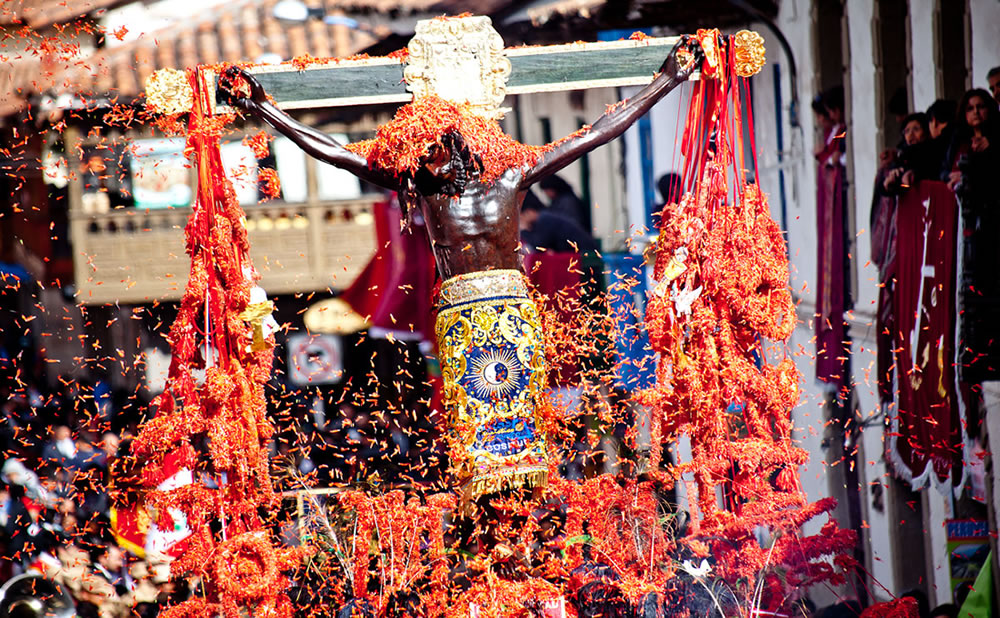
(723, 288)
(243, 573)
(400, 144)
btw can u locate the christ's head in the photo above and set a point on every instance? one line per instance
(448, 166)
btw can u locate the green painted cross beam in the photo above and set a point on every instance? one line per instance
(462, 59)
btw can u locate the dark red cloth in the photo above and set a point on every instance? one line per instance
(883, 247)
(365, 291)
(394, 289)
(832, 346)
(926, 432)
(557, 277)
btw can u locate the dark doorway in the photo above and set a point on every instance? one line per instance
(892, 66)
(829, 44)
(951, 49)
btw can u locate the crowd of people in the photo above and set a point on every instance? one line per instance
(956, 143)
(55, 508)
(953, 145)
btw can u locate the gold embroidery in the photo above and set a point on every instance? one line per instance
(493, 367)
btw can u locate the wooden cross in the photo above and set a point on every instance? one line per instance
(461, 59)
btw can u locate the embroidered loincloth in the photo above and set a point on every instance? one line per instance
(493, 366)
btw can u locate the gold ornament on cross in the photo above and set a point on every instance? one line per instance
(748, 50)
(168, 92)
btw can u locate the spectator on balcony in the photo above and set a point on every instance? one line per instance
(975, 147)
(940, 115)
(916, 159)
(941, 122)
(993, 78)
(833, 297)
(971, 170)
(829, 109)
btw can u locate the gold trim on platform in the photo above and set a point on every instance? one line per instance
(498, 480)
(480, 285)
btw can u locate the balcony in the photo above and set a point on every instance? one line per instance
(130, 196)
(137, 256)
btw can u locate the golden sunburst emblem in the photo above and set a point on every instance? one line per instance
(496, 373)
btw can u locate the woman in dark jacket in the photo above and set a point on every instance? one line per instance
(975, 147)
(971, 170)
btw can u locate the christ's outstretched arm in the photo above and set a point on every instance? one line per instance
(615, 121)
(311, 140)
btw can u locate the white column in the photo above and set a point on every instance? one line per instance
(922, 52)
(985, 26)
(862, 125)
(937, 509)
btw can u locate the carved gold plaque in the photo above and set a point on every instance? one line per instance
(168, 92)
(460, 59)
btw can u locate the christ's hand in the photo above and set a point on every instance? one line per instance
(231, 81)
(686, 56)
(241, 90)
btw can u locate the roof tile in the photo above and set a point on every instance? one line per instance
(41, 13)
(243, 30)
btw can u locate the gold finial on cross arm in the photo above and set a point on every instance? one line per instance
(748, 49)
(168, 92)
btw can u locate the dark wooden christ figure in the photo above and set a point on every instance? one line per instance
(473, 225)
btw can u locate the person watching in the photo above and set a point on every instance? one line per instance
(975, 145)
(915, 160)
(829, 108)
(939, 117)
(993, 79)
(563, 200)
(547, 229)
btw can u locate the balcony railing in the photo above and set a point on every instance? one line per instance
(137, 256)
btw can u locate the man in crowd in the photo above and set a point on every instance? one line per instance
(61, 448)
(993, 78)
(108, 563)
(939, 117)
(545, 228)
(563, 200)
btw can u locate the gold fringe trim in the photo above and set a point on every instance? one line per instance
(482, 285)
(499, 480)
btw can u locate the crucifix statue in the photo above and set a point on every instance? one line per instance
(487, 327)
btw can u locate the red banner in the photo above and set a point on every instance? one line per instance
(833, 349)
(393, 292)
(927, 439)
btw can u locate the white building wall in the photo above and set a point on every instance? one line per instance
(667, 128)
(984, 19)
(863, 107)
(607, 184)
